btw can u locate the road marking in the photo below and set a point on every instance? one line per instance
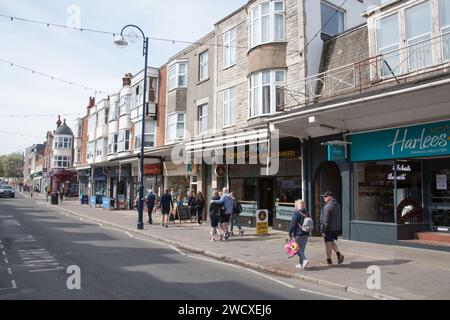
(273, 279)
(177, 250)
(324, 294)
(25, 238)
(129, 234)
(256, 272)
(4, 253)
(2, 247)
(13, 282)
(9, 271)
(6, 261)
(11, 223)
(47, 270)
(38, 259)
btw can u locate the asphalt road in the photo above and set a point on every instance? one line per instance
(39, 246)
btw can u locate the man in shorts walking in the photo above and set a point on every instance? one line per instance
(166, 205)
(330, 226)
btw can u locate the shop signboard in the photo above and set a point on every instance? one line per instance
(93, 201)
(262, 222)
(248, 210)
(428, 140)
(152, 170)
(106, 203)
(337, 153)
(284, 213)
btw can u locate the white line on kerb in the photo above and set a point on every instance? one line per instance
(129, 234)
(324, 294)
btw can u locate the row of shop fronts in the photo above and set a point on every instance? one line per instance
(391, 183)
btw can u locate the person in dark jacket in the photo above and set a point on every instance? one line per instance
(191, 200)
(295, 230)
(330, 226)
(214, 215)
(150, 205)
(166, 205)
(199, 205)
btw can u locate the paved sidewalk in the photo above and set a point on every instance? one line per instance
(406, 273)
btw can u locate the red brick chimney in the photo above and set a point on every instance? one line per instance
(126, 80)
(90, 105)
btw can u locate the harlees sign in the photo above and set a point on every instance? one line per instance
(409, 142)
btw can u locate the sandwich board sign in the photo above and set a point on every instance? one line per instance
(262, 222)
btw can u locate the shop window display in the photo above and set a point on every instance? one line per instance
(288, 190)
(384, 189)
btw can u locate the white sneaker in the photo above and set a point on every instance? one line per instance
(299, 266)
(305, 264)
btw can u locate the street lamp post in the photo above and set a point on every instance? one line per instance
(121, 42)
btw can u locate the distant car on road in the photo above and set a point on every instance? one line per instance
(7, 191)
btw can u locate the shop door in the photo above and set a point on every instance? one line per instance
(266, 197)
(328, 178)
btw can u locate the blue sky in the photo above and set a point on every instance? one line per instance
(86, 58)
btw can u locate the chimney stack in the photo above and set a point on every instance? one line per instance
(126, 80)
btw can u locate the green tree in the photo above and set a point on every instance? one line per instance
(12, 165)
(2, 172)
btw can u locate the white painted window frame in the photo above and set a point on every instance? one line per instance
(176, 75)
(259, 88)
(229, 48)
(229, 108)
(255, 21)
(174, 130)
(203, 65)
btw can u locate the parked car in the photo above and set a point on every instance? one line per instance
(7, 191)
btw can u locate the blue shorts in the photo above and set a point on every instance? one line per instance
(331, 236)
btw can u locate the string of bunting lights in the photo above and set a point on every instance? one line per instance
(68, 82)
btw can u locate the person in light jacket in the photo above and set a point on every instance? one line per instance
(330, 226)
(227, 203)
(295, 230)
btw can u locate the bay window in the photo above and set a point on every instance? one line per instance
(229, 48)
(124, 140)
(112, 143)
(125, 104)
(175, 127)
(61, 162)
(265, 96)
(178, 75)
(114, 110)
(267, 23)
(229, 106)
